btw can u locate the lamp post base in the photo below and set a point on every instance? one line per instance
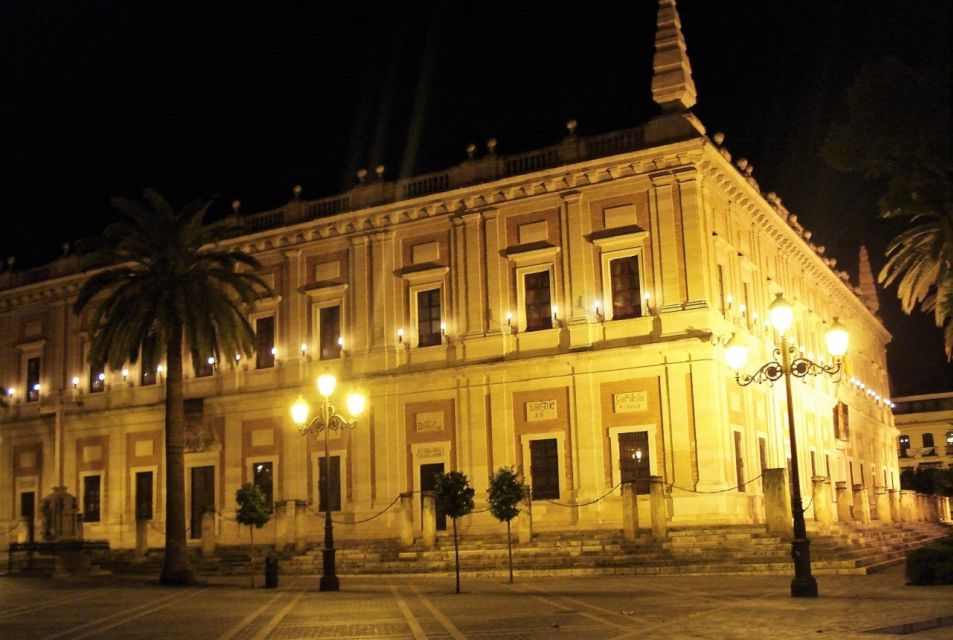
(804, 587)
(329, 578)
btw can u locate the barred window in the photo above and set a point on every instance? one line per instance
(265, 342)
(539, 302)
(544, 469)
(428, 317)
(329, 327)
(626, 292)
(634, 459)
(91, 498)
(334, 484)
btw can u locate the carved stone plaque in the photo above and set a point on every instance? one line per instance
(430, 452)
(630, 402)
(429, 421)
(540, 410)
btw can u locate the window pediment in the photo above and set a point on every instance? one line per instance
(619, 238)
(529, 255)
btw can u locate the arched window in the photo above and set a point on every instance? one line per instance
(903, 445)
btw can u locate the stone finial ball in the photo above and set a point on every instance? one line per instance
(471, 150)
(571, 126)
(491, 145)
(236, 204)
(296, 190)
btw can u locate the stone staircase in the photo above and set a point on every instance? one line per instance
(726, 550)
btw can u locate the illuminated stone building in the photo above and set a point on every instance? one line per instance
(563, 310)
(925, 425)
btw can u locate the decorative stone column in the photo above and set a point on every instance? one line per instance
(907, 506)
(525, 524)
(843, 502)
(406, 517)
(861, 504)
(630, 512)
(895, 505)
(429, 515)
(823, 514)
(208, 532)
(777, 503)
(658, 508)
(883, 505)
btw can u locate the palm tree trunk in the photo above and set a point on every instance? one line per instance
(509, 548)
(456, 553)
(176, 570)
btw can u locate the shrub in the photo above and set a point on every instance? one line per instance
(932, 564)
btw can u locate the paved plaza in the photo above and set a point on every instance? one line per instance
(414, 608)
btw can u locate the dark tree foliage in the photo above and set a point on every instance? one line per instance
(253, 513)
(454, 495)
(897, 129)
(159, 279)
(930, 481)
(504, 495)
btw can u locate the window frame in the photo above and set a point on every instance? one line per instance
(269, 359)
(615, 247)
(524, 316)
(273, 461)
(560, 437)
(321, 298)
(418, 282)
(101, 511)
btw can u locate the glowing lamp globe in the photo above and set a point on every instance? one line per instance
(836, 339)
(736, 352)
(781, 313)
(299, 411)
(355, 404)
(326, 384)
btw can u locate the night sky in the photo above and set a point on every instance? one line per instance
(245, 100)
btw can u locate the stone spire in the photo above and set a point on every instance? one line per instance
(868, 290)
(672, 85)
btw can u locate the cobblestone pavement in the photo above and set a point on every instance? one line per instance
(413, 608)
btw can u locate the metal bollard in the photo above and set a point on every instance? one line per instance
(271, 572)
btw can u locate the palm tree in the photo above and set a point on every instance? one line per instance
(162, 282)
(921, 258)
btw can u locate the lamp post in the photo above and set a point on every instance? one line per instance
(788, 362)
(329, 419)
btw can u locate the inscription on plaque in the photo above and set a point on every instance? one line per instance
(630, 401)
(430, 452)
(540, 410)
(429, 421)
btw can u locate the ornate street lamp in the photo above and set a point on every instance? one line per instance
(788, 361)
(328, 420)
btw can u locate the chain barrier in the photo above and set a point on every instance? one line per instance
(731, 488)
(15, 527)
(161, 532)
(586, 504)
(363, 520)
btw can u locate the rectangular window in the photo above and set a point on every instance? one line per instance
(149, 360)
(538, 300)
(813, 466)
(264, 480)
(32, 379)
(329, 326)
(428, 318)
(205, 368)
(334, 484)
(265, 342)
(143, 495)
(626, 291)
(91, 498)
(739, 462)
(827, 465)
(97, 377)
(544, 469)
(634, 459)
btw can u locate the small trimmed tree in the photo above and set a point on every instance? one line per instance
(454, 495)
(504, 495)
(253, 513)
